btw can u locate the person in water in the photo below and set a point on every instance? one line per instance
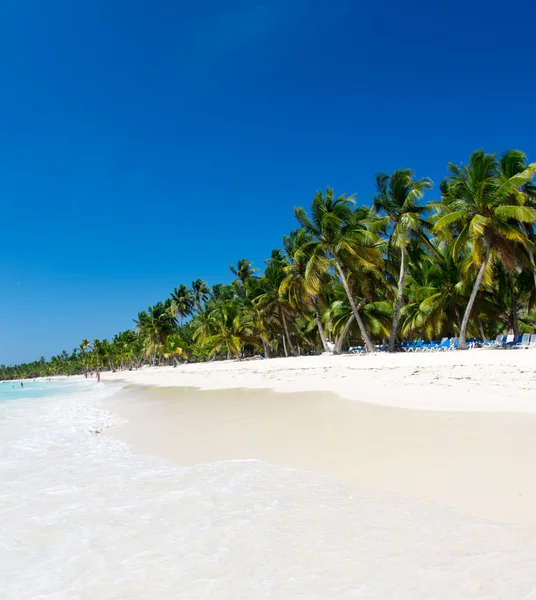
(21, 384)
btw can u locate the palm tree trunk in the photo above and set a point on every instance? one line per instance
(338, 344)
(462, 345)
(265, 347)
(513, 306)
(533, 263)
(368, 343)
(285, 345)
(320, 327)
(482, 333)
(398, 303)
(530, 252)
(284, 321)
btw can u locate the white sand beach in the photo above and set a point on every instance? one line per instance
(457, 429)
(476, 380)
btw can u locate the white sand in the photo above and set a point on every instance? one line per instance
(454, 454)
(476, 380)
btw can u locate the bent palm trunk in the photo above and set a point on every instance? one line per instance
(462, 345)
(398, 304)
(367, 340)
(342, 337)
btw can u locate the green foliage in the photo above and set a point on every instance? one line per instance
(353, 275)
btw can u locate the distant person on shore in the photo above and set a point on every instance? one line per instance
(98, 376)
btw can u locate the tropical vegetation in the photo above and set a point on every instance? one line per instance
(402, 267)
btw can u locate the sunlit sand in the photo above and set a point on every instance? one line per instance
(473, 450)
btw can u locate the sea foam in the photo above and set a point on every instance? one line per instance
(82, 517)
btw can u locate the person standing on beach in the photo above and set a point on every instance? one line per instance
(98, 376)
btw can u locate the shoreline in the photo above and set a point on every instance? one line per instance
(475, 461)
(128, 523)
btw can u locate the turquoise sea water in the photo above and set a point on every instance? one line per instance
(82, 517)
(41, 388)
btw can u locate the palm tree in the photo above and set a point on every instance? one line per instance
(222, 292)
(397, 198)
(510, 299)
(243, 271)
(437, 295)
(512, 163)
(200, 292)
(155, 325)
(123, 344)
(270, 299)
(174, 348)
(344, 235)
(479, 210)
(304, 278)
(340, 320)
(84, 347)
(350, 273)
(108, 352)
(225, 332)
(183, 302)
(97, 353)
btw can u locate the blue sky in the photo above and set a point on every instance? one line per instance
(145, 144)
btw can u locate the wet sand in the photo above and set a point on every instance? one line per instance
(479, 463)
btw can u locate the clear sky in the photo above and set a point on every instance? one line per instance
(144, 144)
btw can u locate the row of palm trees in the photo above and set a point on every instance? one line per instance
(363, 275)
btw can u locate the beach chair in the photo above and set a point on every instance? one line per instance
(411, 346)
(454, 343)
(509, 342)
(532, 340)
(444, 344)
(500, 340)
(516, 343)
(525, 341)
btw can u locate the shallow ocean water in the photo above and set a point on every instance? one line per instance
(82, 517)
